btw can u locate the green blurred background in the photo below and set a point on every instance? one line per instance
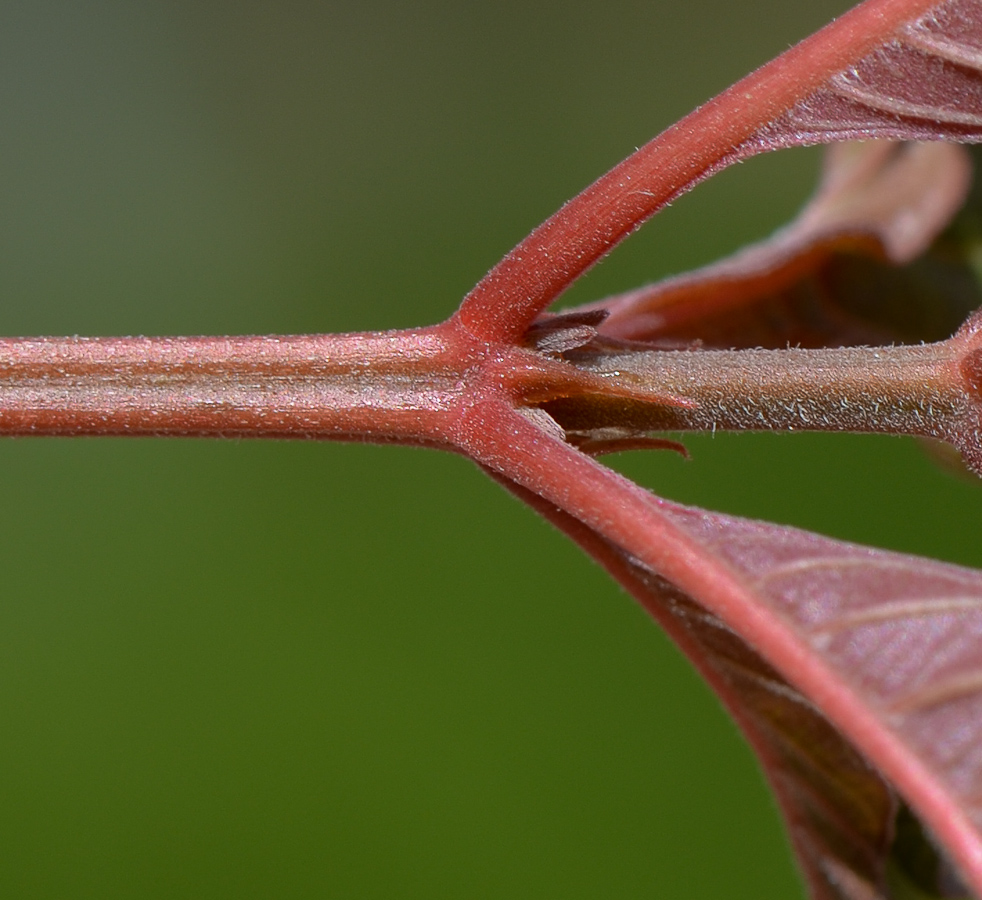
(249, 669)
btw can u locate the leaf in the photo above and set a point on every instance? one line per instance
(893, 641)
(839, 810)
(851, 269)
(922, 83)
(854, 672)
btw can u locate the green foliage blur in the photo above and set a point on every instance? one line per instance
(258, 669)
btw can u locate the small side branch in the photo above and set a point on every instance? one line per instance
(904, 390)
(927, 390)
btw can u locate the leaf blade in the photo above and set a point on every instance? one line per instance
(835, 275)
(780, 591)
(837, 809)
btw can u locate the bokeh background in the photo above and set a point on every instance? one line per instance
(256, 669)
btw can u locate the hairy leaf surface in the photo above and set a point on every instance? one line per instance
(894, 642)
(871, 259)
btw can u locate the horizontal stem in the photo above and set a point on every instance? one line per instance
(900, 390)
(388, 386)
(411, 387)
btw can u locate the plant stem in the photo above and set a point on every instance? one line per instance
(899, 390)
(740, 122)
(390, 386)
(411, 387)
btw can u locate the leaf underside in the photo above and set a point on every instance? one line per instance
(904, 634)
(924, 82)
(882, 254)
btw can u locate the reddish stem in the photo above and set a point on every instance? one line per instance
(551, 258)
(395, 386)
(412, 386)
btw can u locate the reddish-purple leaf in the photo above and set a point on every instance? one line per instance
(793, 629)
(837, 274)
(924, 82)
(894, 641)
(839, 809)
